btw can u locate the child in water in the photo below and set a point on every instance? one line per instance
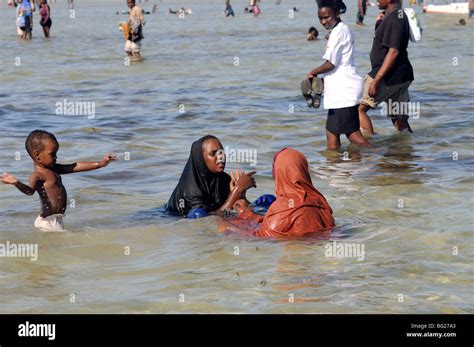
(312, 34)
(42, 147)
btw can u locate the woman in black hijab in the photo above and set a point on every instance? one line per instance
(204, 187)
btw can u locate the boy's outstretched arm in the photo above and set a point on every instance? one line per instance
(29, 189)
(83, 166)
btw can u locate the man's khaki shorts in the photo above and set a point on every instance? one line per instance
(396, 93)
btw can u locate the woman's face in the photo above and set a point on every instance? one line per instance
(327, 17)
(214, 156)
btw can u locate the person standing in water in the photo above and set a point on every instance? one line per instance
(135, 22)
(25, 18)
(45, 13)
(362, 6)
(19, 21)
(342, 84)
(255, 9)
(391, 73)
(228, 9)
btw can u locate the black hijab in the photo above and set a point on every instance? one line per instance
(198, 187)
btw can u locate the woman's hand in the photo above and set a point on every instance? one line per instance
(374, 87)
(239, 179)
(107, 159)
(233, 179)
(244, 181)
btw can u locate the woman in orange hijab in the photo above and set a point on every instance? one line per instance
(299, 209)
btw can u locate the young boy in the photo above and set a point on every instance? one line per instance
(42, 147)
(342, 84)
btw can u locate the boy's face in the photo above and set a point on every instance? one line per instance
(327, 17)
(130, 4)
(47, 157)
(214, 156)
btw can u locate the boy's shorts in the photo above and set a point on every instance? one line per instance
(133, 47)
(396, 92)
(50, 223)
(343, 120)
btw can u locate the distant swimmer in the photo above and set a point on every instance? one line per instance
(182, 11)
(312, 34)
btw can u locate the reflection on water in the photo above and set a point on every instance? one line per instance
(407, 200)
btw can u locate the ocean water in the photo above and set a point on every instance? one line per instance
(409, 201)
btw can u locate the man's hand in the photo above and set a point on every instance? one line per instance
(374, 87)
(9, 179)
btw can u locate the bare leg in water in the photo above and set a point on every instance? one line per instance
(401, 123)
(357, 138)
(365, 122)
(334, 141)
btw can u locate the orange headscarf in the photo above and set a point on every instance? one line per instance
(299, 208)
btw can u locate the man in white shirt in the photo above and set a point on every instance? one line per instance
(342, 85)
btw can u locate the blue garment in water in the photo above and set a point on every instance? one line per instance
(263, 203)
(197, 213)
(265, 200)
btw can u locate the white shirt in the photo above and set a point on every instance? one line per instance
(342, 85)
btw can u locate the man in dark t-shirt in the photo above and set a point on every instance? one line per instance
(391, 73)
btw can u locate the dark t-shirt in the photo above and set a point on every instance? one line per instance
(393, 32)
